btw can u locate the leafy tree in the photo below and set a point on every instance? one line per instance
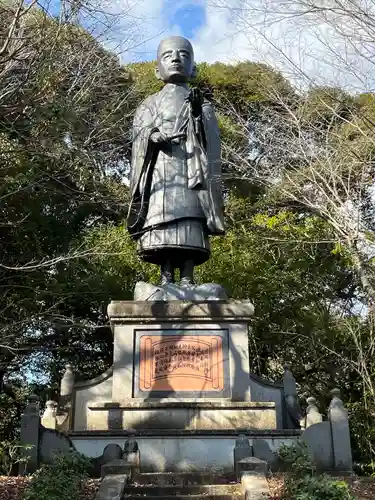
(64, 121)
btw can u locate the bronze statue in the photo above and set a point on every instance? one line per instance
(175, 182)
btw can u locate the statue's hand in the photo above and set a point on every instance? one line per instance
(159, 138)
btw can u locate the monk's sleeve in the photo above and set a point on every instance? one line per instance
(214, 180)
(143, 127)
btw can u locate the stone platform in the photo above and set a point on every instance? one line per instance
(180, 390)
(180, 383)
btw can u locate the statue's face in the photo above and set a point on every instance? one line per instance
(175, 60)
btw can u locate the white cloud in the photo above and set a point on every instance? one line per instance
(307, 49)
(134, 28)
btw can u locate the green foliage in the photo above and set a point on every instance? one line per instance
(321, 487)
(362, 431)
(143, 75)
(242, 83)
(303, 482)
(63, 145)
(12, 401)
(12, 453)
(296, 459)
(60, 479)
(324, 106)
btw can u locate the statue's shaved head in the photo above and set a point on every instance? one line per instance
(175, 42)
(175, 60)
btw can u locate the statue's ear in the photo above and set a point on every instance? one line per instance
(194, 71)
(157, 73)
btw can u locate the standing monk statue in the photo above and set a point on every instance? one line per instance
(175, 182)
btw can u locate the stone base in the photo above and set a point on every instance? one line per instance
(193, 415)
(171, 291)
(181, 349)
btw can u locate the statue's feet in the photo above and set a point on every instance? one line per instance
(166, 278)
(186, 282)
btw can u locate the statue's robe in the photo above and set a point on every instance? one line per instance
(176, 197)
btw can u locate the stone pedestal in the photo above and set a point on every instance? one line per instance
(180, 383)
(180, 349)
(176, 365)
(179, 365)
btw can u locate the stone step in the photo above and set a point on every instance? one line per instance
(183, 478)
(195, 489)
(201, 496)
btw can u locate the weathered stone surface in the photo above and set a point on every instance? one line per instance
(172, 291)
(338, 416)
(294, 412)
(125, 366)
(29, 434)
(112, 487)
(313, 416)
(254, 485)
(49, 416)
(184, 452)
(117, 466)
(67, 382)
(193, 417)
(318, 437)
(267, 434)
(243, 449)
(129, 311)
(254, 465)
(131, 445)
(112, 451)
(52, 442)
(99, 390)
(262, 389)
(263, 451)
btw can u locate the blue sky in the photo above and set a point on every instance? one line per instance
(187, 17)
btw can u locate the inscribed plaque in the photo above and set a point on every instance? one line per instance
(182, 363)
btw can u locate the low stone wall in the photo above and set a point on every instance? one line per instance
(184, 451)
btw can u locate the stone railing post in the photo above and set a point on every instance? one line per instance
(313, 416)
(29, 435)
(338, 416)
(293, 408)
(67, 382)
(65, 407)
(243, 449)
(131, 454)
(49, 415)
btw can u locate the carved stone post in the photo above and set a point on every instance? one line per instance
(67, 382)
(243, 449)
(313, 416)
(49, 415)
(291, 399)
(338, 416)
(131, 454)
(65, 410)
(29, 435)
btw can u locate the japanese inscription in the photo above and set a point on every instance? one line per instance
(181, 363)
